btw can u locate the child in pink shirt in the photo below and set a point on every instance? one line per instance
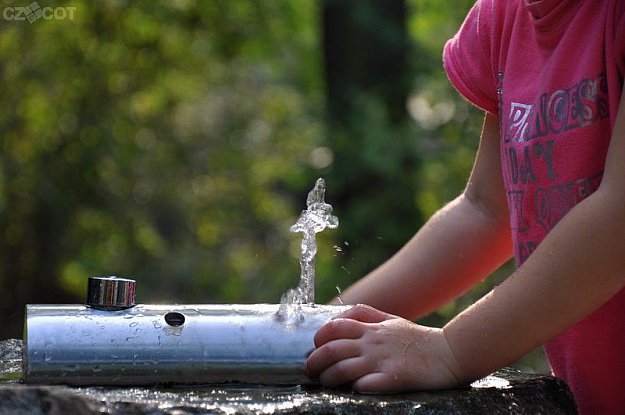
(548, 186)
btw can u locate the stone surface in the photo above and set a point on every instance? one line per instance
(505, 392)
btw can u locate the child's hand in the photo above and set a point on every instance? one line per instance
(379, 352)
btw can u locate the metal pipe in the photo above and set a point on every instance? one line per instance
(170, 344)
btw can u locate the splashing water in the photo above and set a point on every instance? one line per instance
(316, 217)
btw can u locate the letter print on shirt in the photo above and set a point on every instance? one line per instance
(544, 153)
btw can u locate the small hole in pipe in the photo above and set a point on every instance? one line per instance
(174, 319)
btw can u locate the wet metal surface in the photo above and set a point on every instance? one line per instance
(163, 344)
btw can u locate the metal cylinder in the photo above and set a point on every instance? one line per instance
(110, 293)
(170, 344)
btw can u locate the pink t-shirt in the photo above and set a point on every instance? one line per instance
(553, 72)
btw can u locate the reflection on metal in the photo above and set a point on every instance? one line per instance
(111, 293)
(164, 344)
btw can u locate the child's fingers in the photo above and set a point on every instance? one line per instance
(345, 371)
(329, 354)
(375, 382)
(339, 328)
(365, 314)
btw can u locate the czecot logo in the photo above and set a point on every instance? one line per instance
(34, 12)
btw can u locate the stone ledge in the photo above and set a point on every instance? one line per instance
(505, 392)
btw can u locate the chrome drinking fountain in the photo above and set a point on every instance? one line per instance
(111, 341)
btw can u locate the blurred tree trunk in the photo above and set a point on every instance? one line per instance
(365, 46)
(30, 256)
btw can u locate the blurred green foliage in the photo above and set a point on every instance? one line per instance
(161, 140)
(175, 141)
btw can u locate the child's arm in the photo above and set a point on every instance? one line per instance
(460, 245)
(576, 269)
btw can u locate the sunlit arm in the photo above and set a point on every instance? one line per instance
(459, 246)
(578, 267)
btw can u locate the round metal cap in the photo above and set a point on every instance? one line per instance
(111, 293)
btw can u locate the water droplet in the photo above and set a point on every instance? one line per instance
(72, 368)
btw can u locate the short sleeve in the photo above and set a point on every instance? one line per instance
(467, 58)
